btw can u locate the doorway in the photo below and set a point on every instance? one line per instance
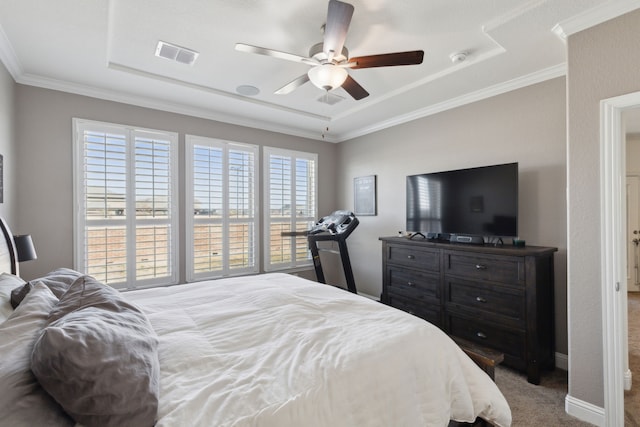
(633, 228)
(631, 121)
(614, 253)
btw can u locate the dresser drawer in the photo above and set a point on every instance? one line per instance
(502, 269)
(416, 283)
(421, 258)
(510, 342)
(495, 300)
(429, 312)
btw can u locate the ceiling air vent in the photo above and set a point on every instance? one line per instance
(176, 53)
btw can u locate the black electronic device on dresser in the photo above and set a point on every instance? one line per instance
(499, 297)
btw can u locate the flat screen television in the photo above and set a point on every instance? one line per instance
(465, 205)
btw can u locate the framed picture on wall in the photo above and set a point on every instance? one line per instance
(1, 178)
(364, 195)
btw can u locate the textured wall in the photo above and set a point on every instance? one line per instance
(8, 144)
(603, 62)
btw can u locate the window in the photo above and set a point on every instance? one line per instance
(290, 206)
(221, 199)
(126, 204)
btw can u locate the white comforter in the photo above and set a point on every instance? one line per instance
(277, 350)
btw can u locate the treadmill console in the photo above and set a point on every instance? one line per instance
(338, 222)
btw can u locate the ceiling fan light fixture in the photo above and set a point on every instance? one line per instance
(327, 76)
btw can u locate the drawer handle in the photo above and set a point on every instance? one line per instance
(481, 335)
(481, 267)
(480, 299)
(411, 257)
(411, 284)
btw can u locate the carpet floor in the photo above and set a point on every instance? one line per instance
(632, 397)
(543, 405)
(536, 405)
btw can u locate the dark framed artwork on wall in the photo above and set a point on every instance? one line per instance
(364, 195)
(1, 178)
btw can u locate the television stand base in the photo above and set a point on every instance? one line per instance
(468, 239)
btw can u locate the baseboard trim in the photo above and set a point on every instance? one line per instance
(562, 361)
(628, 377)
(584, 411)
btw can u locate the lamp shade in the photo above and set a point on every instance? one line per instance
(327, 76)
(24, 247)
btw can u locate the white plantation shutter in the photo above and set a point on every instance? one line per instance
(221, 193)
(103, 189)
(290, 205)
(125, 190)
(153, 209)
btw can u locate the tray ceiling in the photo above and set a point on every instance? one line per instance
(106, 49)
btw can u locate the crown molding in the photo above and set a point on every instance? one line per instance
(140, 101)
(209, 89)
(498, 89)
(8, 56)
(595, 16)
(108, 95)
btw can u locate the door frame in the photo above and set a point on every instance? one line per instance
(613, 250)
(632, 179)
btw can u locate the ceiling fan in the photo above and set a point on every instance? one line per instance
(330, 59)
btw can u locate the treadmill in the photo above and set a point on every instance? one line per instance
(336, 227)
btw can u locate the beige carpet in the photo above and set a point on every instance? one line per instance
(536, 405)
(543, 405)
(632, 397)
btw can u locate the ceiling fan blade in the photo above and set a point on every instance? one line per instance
(335, 31)
(293, 85)
(241, 47)
(413, 57)
(354, 89)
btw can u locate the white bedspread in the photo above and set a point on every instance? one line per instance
(277, 350)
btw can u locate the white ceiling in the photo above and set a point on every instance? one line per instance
(105, 49)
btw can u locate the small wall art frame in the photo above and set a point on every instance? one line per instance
(1, 178)
(364, 195)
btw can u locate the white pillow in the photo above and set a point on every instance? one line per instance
(8, 282)
(23, 402)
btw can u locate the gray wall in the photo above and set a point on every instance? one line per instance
(44, 164)
(8, 143)
(525, 126)
(603, 62)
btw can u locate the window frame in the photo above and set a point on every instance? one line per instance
(225, 145)
(131, 222)
(266, 214)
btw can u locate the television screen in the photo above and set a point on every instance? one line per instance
(479, 201)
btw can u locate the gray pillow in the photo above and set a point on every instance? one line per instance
(98, 358)
(8, 282)
(19, 294)
(23, 403)
(86, 292)
(58, 281)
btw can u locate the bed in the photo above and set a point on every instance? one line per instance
(265, 350)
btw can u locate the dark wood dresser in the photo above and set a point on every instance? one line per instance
(498, 297)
